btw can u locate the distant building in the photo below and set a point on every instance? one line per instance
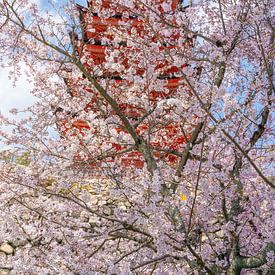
(98, 34)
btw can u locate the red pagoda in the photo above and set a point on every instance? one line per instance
(99, 39)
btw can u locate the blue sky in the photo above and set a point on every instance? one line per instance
(19, 96)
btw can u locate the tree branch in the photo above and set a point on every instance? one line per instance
(186, 153)
(259, 260)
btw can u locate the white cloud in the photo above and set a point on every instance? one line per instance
(14, 97)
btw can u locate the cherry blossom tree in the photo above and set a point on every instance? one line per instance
(70, 205)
